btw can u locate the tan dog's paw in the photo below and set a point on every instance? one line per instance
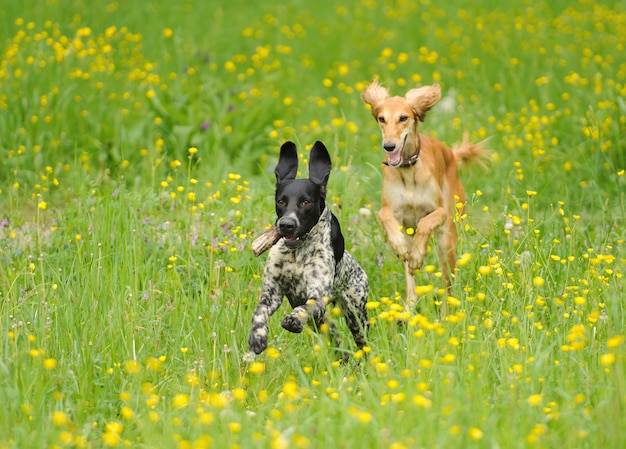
(418, 254)
(399, 247)
(416, 260)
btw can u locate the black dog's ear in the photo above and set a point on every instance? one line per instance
(287, 167)
(319, 164)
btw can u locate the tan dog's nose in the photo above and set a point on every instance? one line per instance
(389, 146)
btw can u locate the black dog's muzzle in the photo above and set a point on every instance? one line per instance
(288, 228)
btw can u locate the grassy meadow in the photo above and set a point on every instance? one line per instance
(137, 147)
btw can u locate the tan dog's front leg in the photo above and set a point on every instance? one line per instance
(400, 244)
(425, 228)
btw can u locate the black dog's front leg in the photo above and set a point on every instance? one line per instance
(319, 276)
(314, 312)
(271, 299)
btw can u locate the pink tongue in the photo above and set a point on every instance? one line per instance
(395, 157)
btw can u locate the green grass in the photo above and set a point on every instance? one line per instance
(127, 282)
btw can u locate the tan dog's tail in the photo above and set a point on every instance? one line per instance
(471, 152)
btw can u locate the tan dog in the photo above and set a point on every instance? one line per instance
(421, 186)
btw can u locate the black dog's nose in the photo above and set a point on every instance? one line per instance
(389, 146)
(287, 226)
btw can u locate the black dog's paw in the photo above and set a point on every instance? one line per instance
(292, 324)
(257, 340)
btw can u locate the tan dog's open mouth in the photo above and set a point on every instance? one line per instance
(394, 158)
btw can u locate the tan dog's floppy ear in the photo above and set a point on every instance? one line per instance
(422, 99)
(374, 95)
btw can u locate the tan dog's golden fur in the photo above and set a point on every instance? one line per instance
(421, 186)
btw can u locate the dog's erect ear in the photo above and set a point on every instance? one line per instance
(422, 99)
(374, 95)
(287, 167)
(319, 164)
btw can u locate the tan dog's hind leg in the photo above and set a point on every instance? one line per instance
(446, 253)
(401, 247)
(411, 296)
(433, 223)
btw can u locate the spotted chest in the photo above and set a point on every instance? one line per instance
(305, 273)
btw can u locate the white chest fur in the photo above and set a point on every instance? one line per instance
(411, 198)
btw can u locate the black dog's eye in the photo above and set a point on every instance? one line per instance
(381, 119)
(281, 203)
(403, 118)
(304, 203)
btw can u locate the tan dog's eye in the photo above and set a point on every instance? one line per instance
(381, 119)
(404, 118)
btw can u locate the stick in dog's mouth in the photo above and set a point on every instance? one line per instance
(270, 236)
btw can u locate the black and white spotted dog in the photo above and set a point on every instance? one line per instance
(309, 264)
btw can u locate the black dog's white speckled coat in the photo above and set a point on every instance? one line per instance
(309, 264)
